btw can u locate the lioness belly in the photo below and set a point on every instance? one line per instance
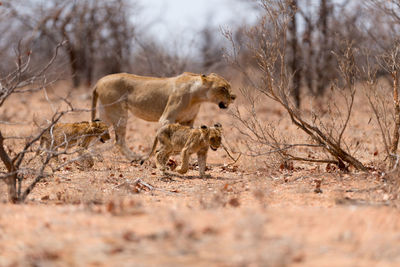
(147, 116)
(149, 109)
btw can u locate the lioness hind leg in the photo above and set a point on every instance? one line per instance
(118, 116)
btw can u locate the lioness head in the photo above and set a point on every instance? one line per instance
(101, 129)
(215, 136)
(219, 90)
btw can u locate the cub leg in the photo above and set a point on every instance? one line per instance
(201, 161)
(87, 160)
(162, 157)
(185, 156)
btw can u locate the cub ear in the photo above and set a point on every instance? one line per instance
(203, 127)
(218, 125)
(203, 78)
(96, 120)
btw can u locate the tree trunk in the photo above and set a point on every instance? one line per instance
(308, 58)
(11, 180)
(395, 140)
(73, 63)
(296, 69)
(322, 55)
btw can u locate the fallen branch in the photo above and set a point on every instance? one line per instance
(139, 185)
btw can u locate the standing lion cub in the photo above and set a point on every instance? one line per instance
(175, 138)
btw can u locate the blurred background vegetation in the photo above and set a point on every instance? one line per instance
(106, 37)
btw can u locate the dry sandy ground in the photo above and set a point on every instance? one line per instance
(250, 214)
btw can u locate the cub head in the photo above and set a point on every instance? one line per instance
(219, 91)
(101, 129)
(215, 136)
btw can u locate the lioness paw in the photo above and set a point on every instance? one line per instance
(180, 170)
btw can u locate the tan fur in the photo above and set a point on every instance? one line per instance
(176, 138)
(67, 135)
(167, 100)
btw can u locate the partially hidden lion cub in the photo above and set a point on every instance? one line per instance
(67, 135)
(166, 100)
(175, 138)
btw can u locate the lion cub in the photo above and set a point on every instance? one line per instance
(67, 135)
(176, 138)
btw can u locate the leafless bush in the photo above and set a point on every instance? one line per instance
(273, 79)
(19, 153)
(98, 33)
(387, 117)
(386, 18)
(152, 58)
(211, 50)
(315, 30)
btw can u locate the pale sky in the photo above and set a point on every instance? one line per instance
(170, 19)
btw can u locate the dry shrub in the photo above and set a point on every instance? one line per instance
(324, 129)
(386, 109)
(21, 153)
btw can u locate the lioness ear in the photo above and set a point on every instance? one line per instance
(217, 125)
(203, 126)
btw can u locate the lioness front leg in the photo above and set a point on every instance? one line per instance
(176, 104)
(188, 123)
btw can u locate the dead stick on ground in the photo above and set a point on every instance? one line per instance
(139, 181)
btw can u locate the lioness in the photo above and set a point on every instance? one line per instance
(175, 138)
(167, 100)
(67, 135)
